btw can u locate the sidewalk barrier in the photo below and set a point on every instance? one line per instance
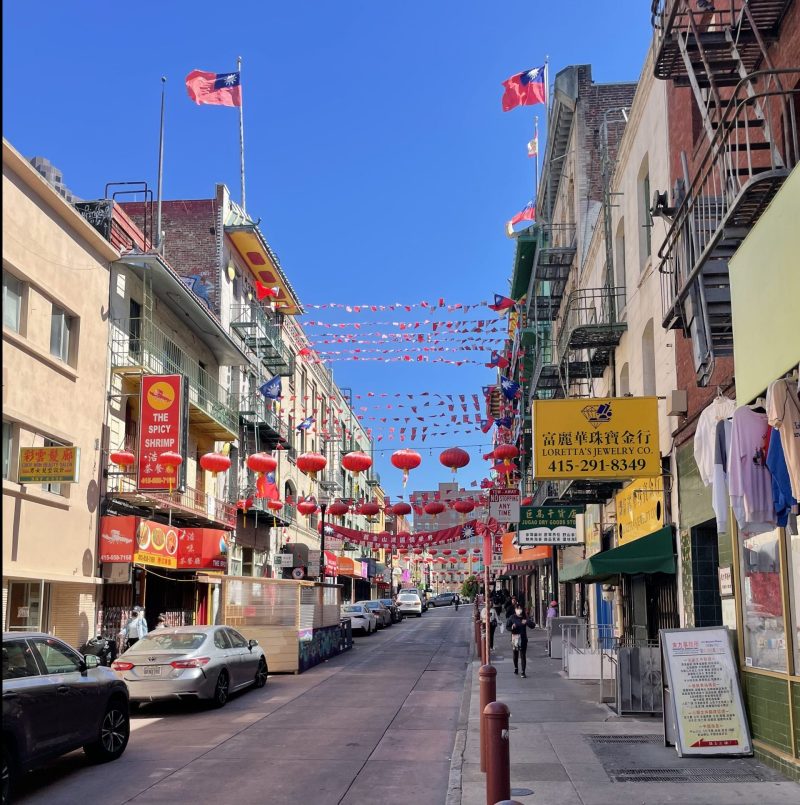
(487, 679)
(498, 763)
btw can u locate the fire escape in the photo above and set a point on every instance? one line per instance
(748, 113)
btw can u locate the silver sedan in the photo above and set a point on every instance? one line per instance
(381, 612)
(192, 662)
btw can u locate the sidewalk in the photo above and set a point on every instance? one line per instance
(569, 749)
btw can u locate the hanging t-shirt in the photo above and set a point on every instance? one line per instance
(748, 477)
(705, 435)
(720, 499)
(783, 410)
(782, 497)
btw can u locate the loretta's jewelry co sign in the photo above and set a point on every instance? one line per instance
(612, 437)
(548, 525)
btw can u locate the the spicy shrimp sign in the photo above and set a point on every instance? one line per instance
(160, 431)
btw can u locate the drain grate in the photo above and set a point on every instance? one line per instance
(625, 739)
(682, 776)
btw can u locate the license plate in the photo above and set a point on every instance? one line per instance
(151, 670)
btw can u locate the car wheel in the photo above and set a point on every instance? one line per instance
(221, 689)
(9, 771)
(115, 729)
(261, 673)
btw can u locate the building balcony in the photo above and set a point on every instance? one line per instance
(754, 149)
(189, 506)
(690, 41)
(257, 417)
(139, 347)
(590, 322)
(263, 337)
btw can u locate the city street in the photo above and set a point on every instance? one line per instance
(376, 724)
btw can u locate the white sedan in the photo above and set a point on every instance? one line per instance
(361, 619)
(409, 604)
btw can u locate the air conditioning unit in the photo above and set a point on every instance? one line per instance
(677, 402)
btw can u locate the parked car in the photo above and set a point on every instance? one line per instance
(191, 662)
(361, 619)
(380, 611)
(409, 603)
(389, 603)
(443, 600)
(56, 700)
(420, 594)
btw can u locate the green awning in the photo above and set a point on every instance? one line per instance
(654, 553)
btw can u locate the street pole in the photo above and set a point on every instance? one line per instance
(322, 507)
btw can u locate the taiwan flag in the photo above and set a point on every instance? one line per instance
(525, 89)
(501, 303)
(267, 488)
(221, 89)
(528, 214)
(497, 361)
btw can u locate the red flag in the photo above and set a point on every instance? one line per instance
(524, 89)
(262, 291)
(221, 89)
(528, 214)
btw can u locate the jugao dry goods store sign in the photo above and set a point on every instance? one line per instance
(580, 438)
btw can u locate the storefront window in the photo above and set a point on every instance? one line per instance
(793, 551)
(763, 617)
(25, 606)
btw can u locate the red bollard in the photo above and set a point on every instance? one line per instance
(498, 761)
(487, 679)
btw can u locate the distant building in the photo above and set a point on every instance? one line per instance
(54, 178)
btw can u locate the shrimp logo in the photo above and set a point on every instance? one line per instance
(160, 396)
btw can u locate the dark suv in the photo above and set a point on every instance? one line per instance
(56, 700)
(443, 600)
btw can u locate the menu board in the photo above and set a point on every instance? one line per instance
(703, 708)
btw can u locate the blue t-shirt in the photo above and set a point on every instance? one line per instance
(781, 485)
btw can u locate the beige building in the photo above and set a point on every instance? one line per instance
(55, 375)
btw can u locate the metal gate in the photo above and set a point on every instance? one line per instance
(639, 679)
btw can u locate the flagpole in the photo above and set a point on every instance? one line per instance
(536, 166)
(241, 129)
(160, 165)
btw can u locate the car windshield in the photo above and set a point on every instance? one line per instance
(372, 605)
(170, 641)
(407, 597)
(387, 601)
(353, 608)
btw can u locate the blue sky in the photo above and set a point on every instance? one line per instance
(377, 154)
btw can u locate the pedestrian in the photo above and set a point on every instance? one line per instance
(493, 621)
(161, 622)
(552, 610)
(518, 625)
(457, 601)
(510, 606)
(135, 627)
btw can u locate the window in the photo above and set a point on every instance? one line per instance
(645, 221)
(12, 302)
(247, 561)
(61, 324)
(8, 441)
(624, 380)
(221, 639)
(57, 657)
(237, 641)
(619, 259)
(135, 327)
(18, 660)
(53, 488)
(648, 361)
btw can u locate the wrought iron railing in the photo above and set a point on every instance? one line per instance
(255, 409)
(263, 336)
(754, 148)
(138, 344)
(593, 311)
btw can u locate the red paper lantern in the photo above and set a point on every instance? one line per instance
(307, 507)
(432, 551)
(434, 507)
(369, 508)
(506, 452)
(453, 560)
(262, 463)
(311, 463)
(455, 458)
(464, 506)
(275, 505)
(417, 551)
(122, 458)
(215, 462)
(338, 509)
(464, 559)
(356, 462)
(447, 552)
(402, 550)
(528, 501)
(488, 456)
(462, 551)
(400, 509)
(476, 551)
(171, 459)
(406, 460)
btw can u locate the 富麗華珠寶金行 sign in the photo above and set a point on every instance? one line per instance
(611, 437)
(548, 525)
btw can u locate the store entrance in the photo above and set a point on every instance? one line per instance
(705, 575)
(171, 593)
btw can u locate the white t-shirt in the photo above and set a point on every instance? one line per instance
(783, 412)
(705, 435)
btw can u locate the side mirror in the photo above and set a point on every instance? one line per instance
(90, 661)
(251, 644)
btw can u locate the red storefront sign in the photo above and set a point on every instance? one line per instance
(203, 549)
(117, 538)
(160, 431)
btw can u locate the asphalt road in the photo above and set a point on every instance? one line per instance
(374, 726)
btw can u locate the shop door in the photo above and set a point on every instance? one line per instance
(605, 618)
(705, 575)
(27, 606)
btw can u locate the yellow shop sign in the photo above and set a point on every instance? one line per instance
(611, 437)
(640, 509)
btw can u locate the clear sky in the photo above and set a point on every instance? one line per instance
(377, 155)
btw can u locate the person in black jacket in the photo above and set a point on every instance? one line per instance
(518, 626)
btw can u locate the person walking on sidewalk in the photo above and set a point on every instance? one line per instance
(518, 626)
(492, 625)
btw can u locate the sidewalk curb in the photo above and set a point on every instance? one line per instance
(454, 785)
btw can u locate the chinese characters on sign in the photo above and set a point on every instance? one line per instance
(596, 438)
(160, 431)
(548, 525)
(640, 509)
(41, 465)
(706, 716)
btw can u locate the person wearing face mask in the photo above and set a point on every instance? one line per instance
(518, 625)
